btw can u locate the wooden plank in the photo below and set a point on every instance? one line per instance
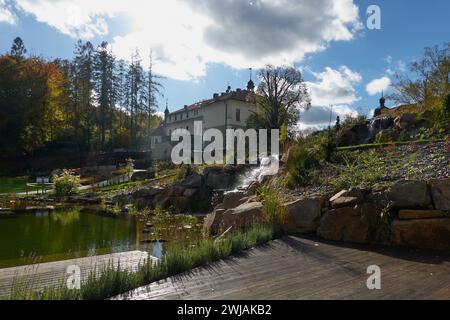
(54, 273)
(308, 268)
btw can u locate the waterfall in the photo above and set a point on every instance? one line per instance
(268, 167)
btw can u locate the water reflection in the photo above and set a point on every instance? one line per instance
(43, 236)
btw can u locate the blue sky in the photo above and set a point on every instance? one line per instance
(203, 45)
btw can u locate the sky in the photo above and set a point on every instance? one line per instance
(202, 46)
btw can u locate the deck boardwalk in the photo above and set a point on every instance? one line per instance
(54, 273)
(306, 268)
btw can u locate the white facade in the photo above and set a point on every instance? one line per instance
(229, 110)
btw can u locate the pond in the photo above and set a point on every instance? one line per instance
(44, 236)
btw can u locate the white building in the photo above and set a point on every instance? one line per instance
(228, 110)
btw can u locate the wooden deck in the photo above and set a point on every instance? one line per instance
(54, 273)
(302, 268)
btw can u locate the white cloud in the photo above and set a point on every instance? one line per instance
(378, 85)
(6, 14)
(185, 35)
(334, 87)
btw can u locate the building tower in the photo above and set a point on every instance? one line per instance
(382, 100)
(166, 112)
(250, 84)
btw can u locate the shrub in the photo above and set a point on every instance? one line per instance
(272, 205)
(66, 184)
(185, 171)
(301, 164)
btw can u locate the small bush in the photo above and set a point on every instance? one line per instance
(184, 171)
(66, 184)
(272, 205)
(301, 164)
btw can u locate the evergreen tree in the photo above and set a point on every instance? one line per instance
(18, 50)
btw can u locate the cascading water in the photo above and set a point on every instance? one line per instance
(267, 167)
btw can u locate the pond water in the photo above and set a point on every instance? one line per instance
(44, 236)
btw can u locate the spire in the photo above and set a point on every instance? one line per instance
(250, 84)
(382, 100)
(167, 107)
(166, 112)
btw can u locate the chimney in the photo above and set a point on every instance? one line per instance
(185, 106)
(216, 96)
(238, 90)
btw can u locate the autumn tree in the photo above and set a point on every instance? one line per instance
(429, 84)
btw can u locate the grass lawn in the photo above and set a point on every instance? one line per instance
(13, 184)
(16, 185)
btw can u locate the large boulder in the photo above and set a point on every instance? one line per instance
(382, 122)
(218, 179)
(240, 217)
(176, 190)
(410, 194)
(405, 121)
(440, 192)
(424, 233)
(251, 189)
(142, 175)
(420, 214)
(302, 216)
(346, 198)
(234, 199)
(193, 181)
(148, 192)
(356, 134)
(348, 224)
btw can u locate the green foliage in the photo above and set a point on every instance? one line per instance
(272, 205)
(308, 155)
(66, 184)
(359, 169)
(111, 280)
(184, 171)
(381, 226)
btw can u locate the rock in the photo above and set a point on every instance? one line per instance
(147, 192)
(190, 193)
(420, 214)
(193, 181)
(142, 175)
(410, 194)
(405, 121)
(175, 190)
(440, 192)
(211, 223)
(386, 135)
(233, 199)
(181, 203)
(240, 217)
(356, 134)
(346, 198)
(302, 216)
(219, 181)
(424, 233)
(382, 122)
(251, 190)
(347, 224)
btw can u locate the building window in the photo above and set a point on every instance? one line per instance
(187, 128)
(187, 115)
(181, 116)
(175, 117)
(238, 115)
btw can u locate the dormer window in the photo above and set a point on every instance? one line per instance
(238, 115)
